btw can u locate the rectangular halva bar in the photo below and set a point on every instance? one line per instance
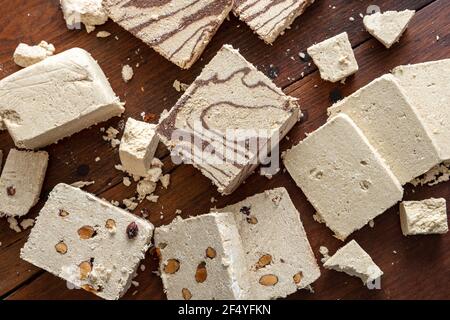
(88, 242)
(279, 258)
(343, 176)
(56, 98)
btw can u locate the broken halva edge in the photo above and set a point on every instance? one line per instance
(89, 12)
(428, 216)
(56, 98)
(354, 261)
(178, 30)
(229, 93)
(21, 181)
(343, 176)
(88, 242)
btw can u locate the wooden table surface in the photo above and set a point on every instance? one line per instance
(414, 267)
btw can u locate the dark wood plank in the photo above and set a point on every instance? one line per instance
(426, 254)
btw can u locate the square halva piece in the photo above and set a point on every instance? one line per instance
(334, 57)
(353, 260)
(343, 176)
(424, 217)
(88, 242)
(138, 146)
(279, 258)
(388, 27)
(229, 104)
(427, 86)
(202, 258)
(56, 98)
(269, 19)
(21, 181)
(178, 30)
(393, 126)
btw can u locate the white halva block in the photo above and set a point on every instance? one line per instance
(392, 125)
(138, 146)
(56, 98)
(343, 176)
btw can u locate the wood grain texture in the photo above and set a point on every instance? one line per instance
(420, 268)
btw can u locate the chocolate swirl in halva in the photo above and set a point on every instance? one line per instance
(230, 95)
(269, 19)
(178, 30)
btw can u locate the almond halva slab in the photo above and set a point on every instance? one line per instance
(343, 176)
(202, 258)
(21, 181)
(138, 146)
(88, 242)
(388, 27)
(231, 102)
(392, 125)
(427, 86)
(269, 19)
(427, 216)
(56, 98)
(278, 254)
(353, 260)
(178, 30)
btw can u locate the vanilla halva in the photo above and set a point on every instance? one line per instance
(278, 255)
(353, 260)
(427, 86)
(202, 258)
(334, 58)
(89, 12)
(21, 181)
(228, 119)
(56, 98)
(388, 27)
(88, 242)
(138, 146)
(428, 216)
(26, 55)
(343, 176)
(269, 19)
(393, 126)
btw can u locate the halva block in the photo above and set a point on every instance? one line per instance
(26, 55)
(278, 255)
(202, 258)
(393, 126)
(227, 120)
(334, 58)
(269, 19)
(21, 181)
(56, 98)
(424, 217)
(88, 242)
(354, 261)
(427, 86)
(178, 30)
(343, 176)
(138, 146)
(388, 27)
